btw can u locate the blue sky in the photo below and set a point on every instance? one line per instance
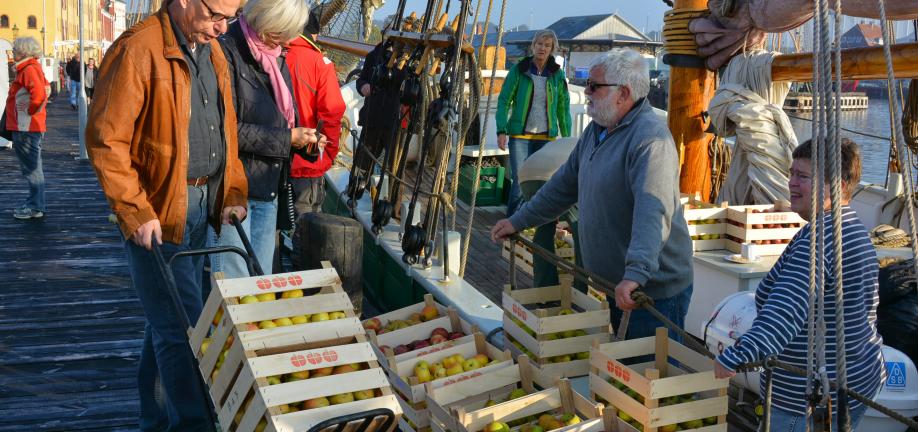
(646, 15)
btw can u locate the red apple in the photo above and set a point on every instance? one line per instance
(455, 335)
(383, 348)
(418, 344)
(435, 339)
(383, 331)
(440, 331)
(400, 349)
(372, 324)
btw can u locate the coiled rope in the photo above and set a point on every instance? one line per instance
(677, 39)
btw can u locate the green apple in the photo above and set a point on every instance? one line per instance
(516, 393)
(249, 299)
(470, 364)
(273, 379)
(364, 394)
(341, 398)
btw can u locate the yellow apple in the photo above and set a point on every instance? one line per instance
(423, 375)
(292, 294)
(454, 369)
(316, 403)
(218, 315)
(439, 372)
(337, 315)
(341, 398)
(273, 379)
(429, 312)
(204, 345)
(266, 297)
(470, 364)
(283, 322)
(321, 316)
(449, 362)
(266, 324)
(298, 375)
(321, 372)
(346, 368)
(422, 364)
(569, 419)
(481, 359)
(299, 319)
(364, 394)
(497, 427)
(249, 299)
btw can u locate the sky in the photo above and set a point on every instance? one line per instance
(646, 15)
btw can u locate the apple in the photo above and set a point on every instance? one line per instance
(435, 339)
(316, 403)
(470, 364)
(251, 326)
(624, 416)
(297, 293)
(299, 319)
(364, 394)
(516, 393)
(418, 344)
(321, 372)
(692, 424)
(372, 324)
(423, 375)
(454, 369)
(669, 428)
(218, 315)
(449, 362)
(440, 331)
(266, 297)
(422, 364)
(414, 318)
(710, 420)
(429, 312)
(400, 349)
(249, 299)
(565, 311)
(497, 427)
(283, 322)
(569, 419)
(455, 335)
(341, 398)
(385, 348)
(298, 375)
(266, 324)
(583, 355)
(481, 359)
(354, 367)
(204, 345)
(439, 372)
(337, 315)
(273, 379)
(262, 424)
(383, 331)
(321, 316)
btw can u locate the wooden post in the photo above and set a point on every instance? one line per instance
(690, 91)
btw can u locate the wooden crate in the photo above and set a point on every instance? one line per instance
(656, 382)
(524, 254)
(385, 344)
(765, 230)
(243, 379)
(706, 224)
(560, 399)
(590, 320)
(405, 314)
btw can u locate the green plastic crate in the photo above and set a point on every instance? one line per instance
(489, 193)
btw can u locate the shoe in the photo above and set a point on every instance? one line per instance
(73, 107)
(27, 213)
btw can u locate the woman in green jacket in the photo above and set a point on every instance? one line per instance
(533, 107)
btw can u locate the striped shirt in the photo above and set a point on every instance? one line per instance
(781, 324)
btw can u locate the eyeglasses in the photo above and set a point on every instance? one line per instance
(593, 86)
(216, 16)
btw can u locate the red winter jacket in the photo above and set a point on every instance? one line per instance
(318, 98)
(25, 104)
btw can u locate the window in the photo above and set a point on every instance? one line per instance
(4, 21)
(32, 22)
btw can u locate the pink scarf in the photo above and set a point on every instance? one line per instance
(267, 58)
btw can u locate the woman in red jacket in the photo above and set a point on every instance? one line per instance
(25, 117)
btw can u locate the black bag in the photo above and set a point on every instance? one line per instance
(4, 133)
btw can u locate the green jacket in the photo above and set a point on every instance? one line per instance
(516, 95)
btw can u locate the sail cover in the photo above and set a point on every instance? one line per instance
(748, 105)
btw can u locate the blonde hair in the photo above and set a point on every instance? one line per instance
(542, 34)
(284, 17)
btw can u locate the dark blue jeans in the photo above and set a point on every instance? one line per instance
(165, 353)
(520, 150)
(643, 324)
(28, 149)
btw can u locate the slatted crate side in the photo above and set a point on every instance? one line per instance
(307, 279)
(745, 215)
(401, 375)
(544, 348)
(452, 322)
(560, 398)
(551, 371)
(750, 234)
(659, 379)
(755, 249)
(693, 213)
(417, 413)
(301, 336)
(304, 420)
(715, 228)
(283, 308)
(405, 312)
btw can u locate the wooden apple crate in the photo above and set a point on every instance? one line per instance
(254, 355)
(524, 254)
(766, 233)
(656, 380)
(405, 312)
(411, 394)
(592, 317)
(696, 215)
(451, 321)
(475, 417)
(474, 393)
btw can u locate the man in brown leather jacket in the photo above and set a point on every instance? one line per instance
(161, 136)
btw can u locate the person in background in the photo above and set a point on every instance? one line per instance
(319, 102)
(161, 136)
(267, 122)
(25, 117)
(73, 73)
(782, 301)
(533, 107)
(89, 78)
(624, 175)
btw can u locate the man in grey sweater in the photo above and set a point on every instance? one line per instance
(624, 174)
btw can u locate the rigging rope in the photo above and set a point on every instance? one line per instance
(476, 181)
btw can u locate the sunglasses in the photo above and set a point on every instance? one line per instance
(216, 16)
(593, 85)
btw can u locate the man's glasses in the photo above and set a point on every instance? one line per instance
(216, 16)
(593, 85)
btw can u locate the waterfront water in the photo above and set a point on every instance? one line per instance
(874, 151)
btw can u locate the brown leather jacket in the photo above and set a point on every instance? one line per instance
(137, 133)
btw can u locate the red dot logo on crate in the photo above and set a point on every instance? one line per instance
(314, 358)
(618, 371)
(462, 378)
(279, 281)
(519, 311)
(298, 360)
(776, 217)
(295, 280)
(263, 284)
(330, 355)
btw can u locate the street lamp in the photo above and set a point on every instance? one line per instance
(15, 31)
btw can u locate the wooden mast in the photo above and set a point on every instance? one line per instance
(690, 91)
(857, 63)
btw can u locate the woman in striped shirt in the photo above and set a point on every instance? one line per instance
(782, 302)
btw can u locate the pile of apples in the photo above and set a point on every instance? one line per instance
(584, 355)
(703, 221)
(428, 313)
(546, 422)
(438, 335)
(285, 321)
(226, 346)
(449, 366)
(672, 400)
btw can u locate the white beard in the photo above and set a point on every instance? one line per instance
(604, 114)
